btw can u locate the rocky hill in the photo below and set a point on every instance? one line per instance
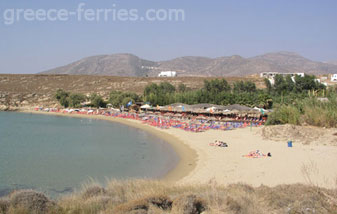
(130, 65)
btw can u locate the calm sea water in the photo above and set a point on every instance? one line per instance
(55, 154)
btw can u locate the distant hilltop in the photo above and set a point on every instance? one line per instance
(131, 65)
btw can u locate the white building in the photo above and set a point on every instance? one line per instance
(334, 78)
(271, 76)
(167, 74)
(268, 74)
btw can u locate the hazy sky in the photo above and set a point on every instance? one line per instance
(211, 28)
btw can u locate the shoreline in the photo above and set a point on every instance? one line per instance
(187, 156)
(204, 164)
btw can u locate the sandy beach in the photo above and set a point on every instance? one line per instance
(201, 163)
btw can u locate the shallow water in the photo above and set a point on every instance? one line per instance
(55, 154)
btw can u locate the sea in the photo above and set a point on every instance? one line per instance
(56, 155)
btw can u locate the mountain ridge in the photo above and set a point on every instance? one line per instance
(126, 64)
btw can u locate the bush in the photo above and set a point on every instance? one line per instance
(310, 111)
(284, 114)
(320, 113)
(4, 205)
(31, 201)
(188, 204)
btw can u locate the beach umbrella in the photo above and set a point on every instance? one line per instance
(146, 106)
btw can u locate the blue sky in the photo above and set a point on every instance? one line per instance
(211, 28)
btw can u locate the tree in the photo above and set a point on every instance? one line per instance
(116, 97)
(182, 87)
(151, 89)
(166, 87)
(76, 99)
(63, 97)
(290, 83)
(97, 100)
(242, 86)
(161, 94)
(268, 85)
(280, 85)
(307, 83)
(216, 86)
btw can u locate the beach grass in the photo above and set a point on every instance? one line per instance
(150, 196)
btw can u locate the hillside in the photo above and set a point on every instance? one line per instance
(116, 65)
(333, 62)
(131, 65)
(19, 91)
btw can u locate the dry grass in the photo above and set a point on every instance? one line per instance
(150, 197)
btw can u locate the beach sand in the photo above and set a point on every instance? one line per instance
(201, 163)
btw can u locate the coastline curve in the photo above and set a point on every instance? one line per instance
(187, 156)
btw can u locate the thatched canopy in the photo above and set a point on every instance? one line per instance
(211, 109)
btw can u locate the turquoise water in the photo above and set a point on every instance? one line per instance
(55, 154)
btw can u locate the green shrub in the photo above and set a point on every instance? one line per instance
(284, 114)
(310, 111)
(320, 113)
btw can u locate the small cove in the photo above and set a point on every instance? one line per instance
(55, 154)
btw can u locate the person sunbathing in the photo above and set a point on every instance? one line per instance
(223, 144)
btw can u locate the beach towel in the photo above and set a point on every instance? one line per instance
(255, 154)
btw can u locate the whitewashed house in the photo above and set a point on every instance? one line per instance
(334, 78)
(167, 74)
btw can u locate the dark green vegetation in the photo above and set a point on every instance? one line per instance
(308, 111)
(77, 100)
(294, 102)
(298, 103)
(152, 197)
(118, 98)
(216, 91)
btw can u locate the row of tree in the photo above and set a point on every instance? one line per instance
(296, 84)
(217, 91)
(76, 100)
